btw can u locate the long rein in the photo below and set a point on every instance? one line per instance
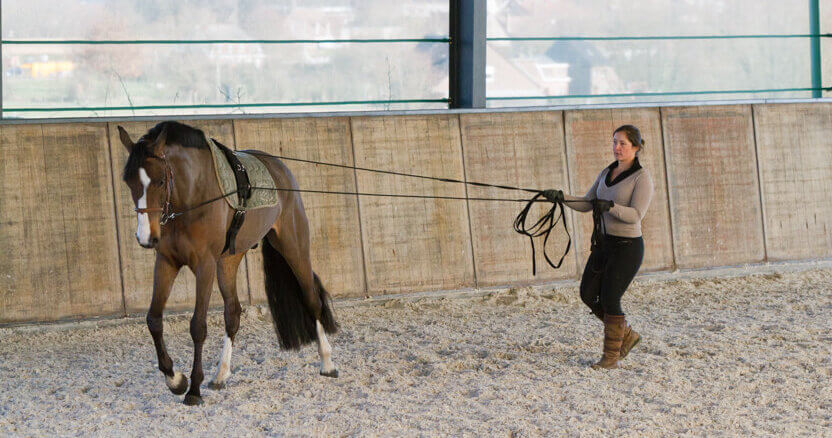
(542, 227)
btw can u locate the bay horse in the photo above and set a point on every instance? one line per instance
(170, 173)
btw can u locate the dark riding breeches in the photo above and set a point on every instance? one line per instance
(608, 272)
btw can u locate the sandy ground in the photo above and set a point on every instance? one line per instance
(725, 356)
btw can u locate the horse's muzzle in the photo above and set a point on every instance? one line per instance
(152, 244)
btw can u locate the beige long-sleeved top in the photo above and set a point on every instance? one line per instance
(631, 191)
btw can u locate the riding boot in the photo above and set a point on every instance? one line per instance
(614, 326)
(631, 338)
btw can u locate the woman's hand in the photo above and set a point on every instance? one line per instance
(603, 205)
(553, 195)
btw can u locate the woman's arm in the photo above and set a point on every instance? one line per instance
(584, 203)
(642, 194)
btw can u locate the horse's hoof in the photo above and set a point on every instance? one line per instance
(333, 373)
(177, 384)
(193, 400)
(216, 386)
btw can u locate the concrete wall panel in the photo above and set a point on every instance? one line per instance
(412, 244)
(713, 186)
(519, 150)
(60, 254)
(794, 143)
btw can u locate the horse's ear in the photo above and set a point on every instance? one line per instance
(159, 143)
(125, 139)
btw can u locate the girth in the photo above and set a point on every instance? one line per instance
(243, 194)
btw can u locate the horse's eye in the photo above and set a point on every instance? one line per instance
(160, 182)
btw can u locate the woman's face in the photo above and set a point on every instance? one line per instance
(622, 148)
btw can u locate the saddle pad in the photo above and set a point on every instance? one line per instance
(258, 176)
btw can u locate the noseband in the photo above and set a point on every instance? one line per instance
(166, 214)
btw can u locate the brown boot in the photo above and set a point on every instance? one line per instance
(631, 339)
(614, 326)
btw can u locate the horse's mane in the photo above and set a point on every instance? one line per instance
(177, 133)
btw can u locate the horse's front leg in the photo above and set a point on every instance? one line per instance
(163, 275)
(199, 326)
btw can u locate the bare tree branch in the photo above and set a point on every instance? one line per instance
(124, 87)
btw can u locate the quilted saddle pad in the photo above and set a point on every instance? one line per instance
(258, 176)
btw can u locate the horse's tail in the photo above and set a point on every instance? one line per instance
(294, 323)
(327, 318)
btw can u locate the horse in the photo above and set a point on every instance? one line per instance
(171, 176)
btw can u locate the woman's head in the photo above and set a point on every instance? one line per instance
(626, 143)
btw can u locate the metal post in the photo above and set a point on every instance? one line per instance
(467, 54)
(814, 30)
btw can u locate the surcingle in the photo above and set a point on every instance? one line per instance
(246, 175)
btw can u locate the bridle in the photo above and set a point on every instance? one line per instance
(167, 213)
(165, 210)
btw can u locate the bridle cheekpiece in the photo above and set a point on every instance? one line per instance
(166, 210)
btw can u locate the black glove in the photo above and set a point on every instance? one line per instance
(553, 195)
(603, 205)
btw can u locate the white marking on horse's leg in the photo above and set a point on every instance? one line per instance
(324, 350)
(143, 228)
(224, 366)
(175, 381)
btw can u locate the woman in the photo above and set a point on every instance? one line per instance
(619, 199)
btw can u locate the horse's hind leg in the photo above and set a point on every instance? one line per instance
(325, 352)
(163, 276)
(227, 279)
(294, 246)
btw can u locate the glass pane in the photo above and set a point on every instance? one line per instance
(97, 76)
(65, 76)
(610, 18)
(591, 67)
(629, 67)
(223, 19)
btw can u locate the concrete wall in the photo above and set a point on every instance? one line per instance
(734, 184)
(57, 225)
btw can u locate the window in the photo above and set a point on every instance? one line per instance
(185, 76)
(586, 54)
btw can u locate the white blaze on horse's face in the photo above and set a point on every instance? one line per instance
(143, 228)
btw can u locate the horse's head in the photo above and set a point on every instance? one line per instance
(150, 179)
